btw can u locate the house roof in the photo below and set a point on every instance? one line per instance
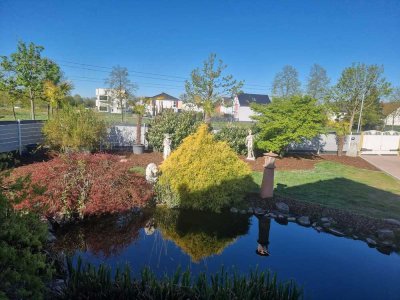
(164, 96)
(245, 99)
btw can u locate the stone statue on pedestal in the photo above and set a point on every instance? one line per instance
(250, 146)
(167, 146)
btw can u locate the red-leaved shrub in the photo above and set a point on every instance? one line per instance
(78, 185)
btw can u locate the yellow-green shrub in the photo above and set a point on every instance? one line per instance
(203, 174)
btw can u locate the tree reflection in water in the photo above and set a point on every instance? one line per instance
(103, 236)
(200, 234)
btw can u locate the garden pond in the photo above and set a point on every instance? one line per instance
(324, 265)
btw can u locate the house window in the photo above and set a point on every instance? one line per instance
(175, 104)
(103, 98)
(102, 108)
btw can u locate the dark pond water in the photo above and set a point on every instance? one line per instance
(328, 267)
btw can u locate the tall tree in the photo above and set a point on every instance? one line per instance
(287, 120)
(359, 88)
(10, 93)
(286, 83)
(121, 87)
(29, 70)
(318, 83)
(207, 85)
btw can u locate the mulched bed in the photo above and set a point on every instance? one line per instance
(307, 162)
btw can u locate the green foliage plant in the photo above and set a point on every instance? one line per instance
(203, 174)
(288, 120)
(178, 125)
(235, 136)
(23, 267)
(75, 128)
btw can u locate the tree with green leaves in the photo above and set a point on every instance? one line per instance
(342, 129)
(208, 85)
(318, 83)
(287, 120)
(286, 83)
(10, 94)
(29, 70)
(121, 87)
(358, 90)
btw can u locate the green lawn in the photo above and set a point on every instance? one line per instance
(41, 114)
(372, 193)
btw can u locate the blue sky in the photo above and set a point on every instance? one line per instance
(254, 38)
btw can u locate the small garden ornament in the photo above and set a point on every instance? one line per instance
(267, 186)
(250, 145)
(167, 146)
(151, 173)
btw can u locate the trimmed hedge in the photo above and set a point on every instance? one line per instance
(203, 174)
(235, 136)
(178, 125)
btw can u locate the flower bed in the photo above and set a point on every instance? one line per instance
(79, 185)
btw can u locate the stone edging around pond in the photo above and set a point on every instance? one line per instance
(384, 234)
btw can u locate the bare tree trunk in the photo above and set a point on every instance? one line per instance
(13, 108)
(139, 129)
(207, 117)
(351, 122)
(340, 141)
(48, 111)
(32, 104)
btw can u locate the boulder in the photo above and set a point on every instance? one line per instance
(291, 219)
(336, 232)
(385, 234)
(325, 220)
(304, 221)
(283, 207)
(371, 242)
(250, 210)
(234, 210)
(243, 211)
(259, 211)
(392, 221)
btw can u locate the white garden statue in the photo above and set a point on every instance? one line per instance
(250, 145)
(167, 146)
(151, 173)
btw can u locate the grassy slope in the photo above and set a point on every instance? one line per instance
(371, 193)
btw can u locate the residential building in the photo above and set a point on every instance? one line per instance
(106, 103)
(226, 107)
(163, 101)
(241, 105)
(393, 119)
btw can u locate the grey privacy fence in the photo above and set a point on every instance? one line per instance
(17, 135)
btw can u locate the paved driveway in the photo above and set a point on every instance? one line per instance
(388, 164)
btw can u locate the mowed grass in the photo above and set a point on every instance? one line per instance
(371, 193)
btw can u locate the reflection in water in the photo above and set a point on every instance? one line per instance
(200, 234)
(264, 225)
(106, 236)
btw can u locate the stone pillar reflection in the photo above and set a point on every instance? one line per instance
(264, 225)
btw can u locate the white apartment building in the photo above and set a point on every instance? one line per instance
(106, 103)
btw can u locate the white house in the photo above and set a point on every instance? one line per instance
(106, 103)
(241, 105)
(163, 101)
(393, 119)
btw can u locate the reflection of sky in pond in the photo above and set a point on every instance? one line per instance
(327, 267)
